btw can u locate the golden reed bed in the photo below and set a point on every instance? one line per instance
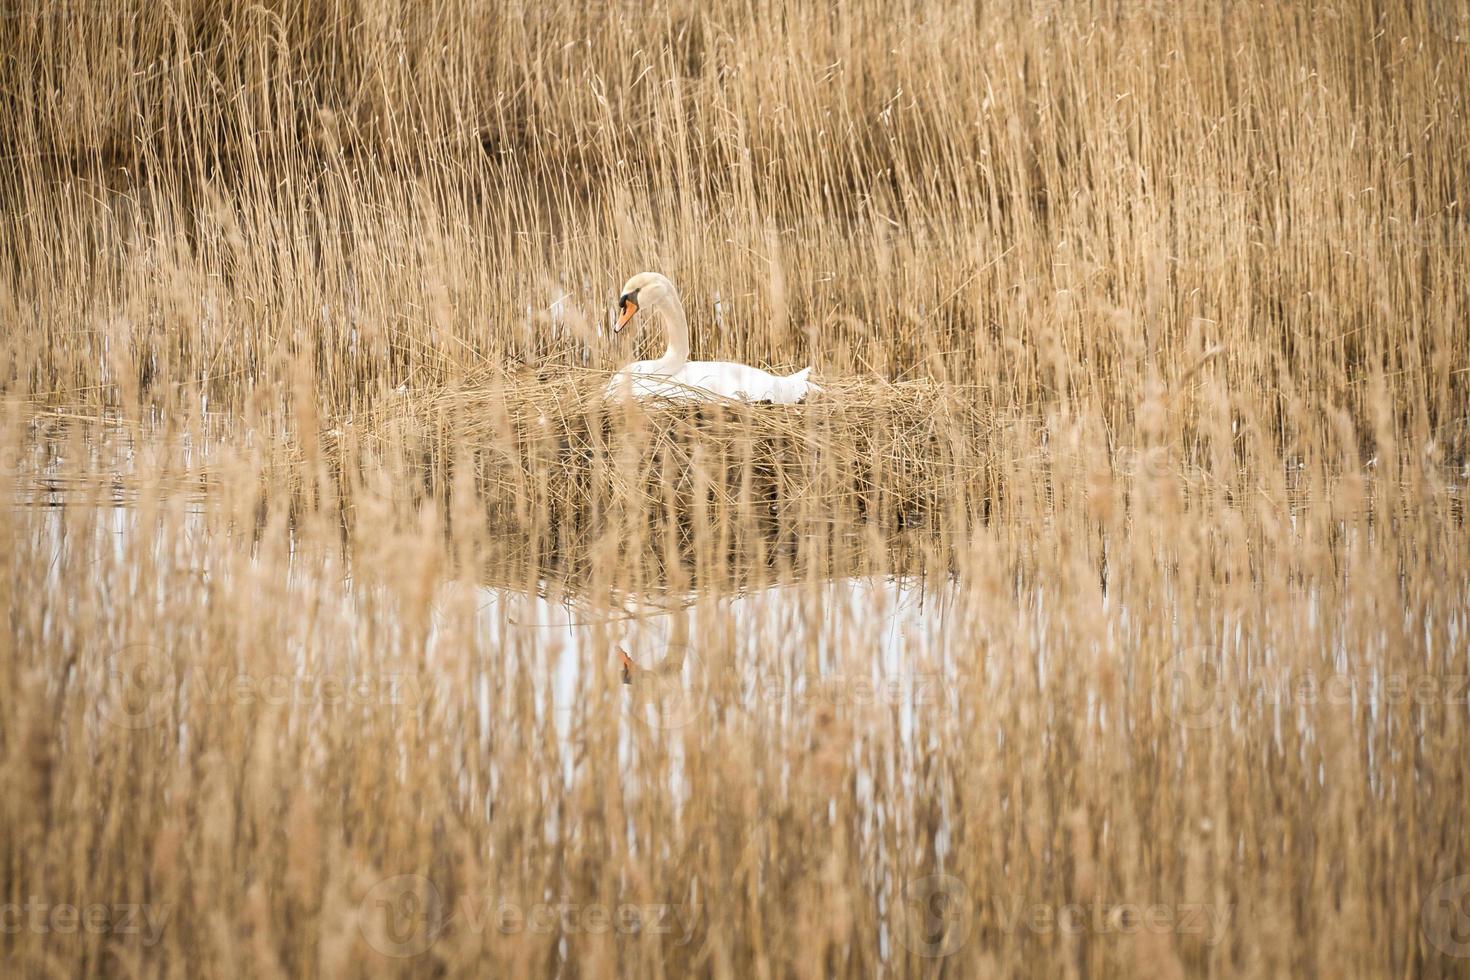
(1202, 635)
(896, 454)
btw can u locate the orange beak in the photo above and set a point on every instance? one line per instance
(629, 308)
(628, 666)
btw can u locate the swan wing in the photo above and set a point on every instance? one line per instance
(728, 380)
(713, 381)
(745, 383)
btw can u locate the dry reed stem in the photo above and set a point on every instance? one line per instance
(1108, 615)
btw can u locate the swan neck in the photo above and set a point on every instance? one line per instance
(677, 327)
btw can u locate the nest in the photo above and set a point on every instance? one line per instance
(553, 456)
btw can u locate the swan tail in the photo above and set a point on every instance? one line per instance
(797, 387)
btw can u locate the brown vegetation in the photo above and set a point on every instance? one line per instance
(1143, 329)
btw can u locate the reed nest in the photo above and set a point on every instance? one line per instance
(555, 451)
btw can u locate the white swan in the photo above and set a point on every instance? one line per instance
(677, 378)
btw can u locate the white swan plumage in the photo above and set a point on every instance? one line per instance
(674, 376)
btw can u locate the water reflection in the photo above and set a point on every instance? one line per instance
(846, 642)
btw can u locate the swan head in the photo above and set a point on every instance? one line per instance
(649, 290)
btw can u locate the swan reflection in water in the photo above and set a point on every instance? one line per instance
(784, 641)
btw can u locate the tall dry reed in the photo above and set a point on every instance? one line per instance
(1108, 617)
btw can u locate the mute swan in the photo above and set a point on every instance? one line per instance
(674, 376)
